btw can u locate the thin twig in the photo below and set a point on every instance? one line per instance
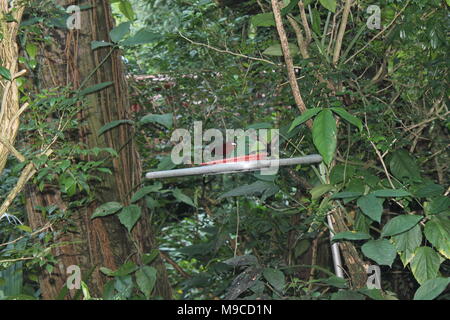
(226, 51)
(175, 265)
(17, 259)
(380, 156)
(45, 227)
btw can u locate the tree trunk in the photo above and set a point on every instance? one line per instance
(102, 242)
(9, 92)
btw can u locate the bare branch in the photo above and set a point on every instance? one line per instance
(226, 51)
(342, 27)
(288, 59)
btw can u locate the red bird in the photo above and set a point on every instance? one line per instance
(226, 150)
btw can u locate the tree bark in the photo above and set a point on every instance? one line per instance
(102, 242)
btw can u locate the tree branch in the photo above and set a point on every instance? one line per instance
(341, 33)
(225, 51)
(288, 59)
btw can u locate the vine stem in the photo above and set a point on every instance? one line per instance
(96, 68)
(225, 51)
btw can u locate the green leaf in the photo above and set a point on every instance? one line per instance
(381, 251)
(151, 203)
(406, 243)
(371, 206)
(425, 264)
(143, 36)
(149, 257)
(125, 269)
(69, 185)
(146, 279)
(257, 187)
(108, 291)
(129, 216)
(100, 44)
(180, 196)
(324, 135)
(400, 224)
(31, 50)
(24, 228)
(301, 247)
(120, 31)
(329, 4)
(388, 193)
(346, 194)
(263, 20)
(341, 172)
(336, 282)
(316, 21)
(351, 235)
(112, 125)
(95, 88)
(124, 285)
(107, 209)
(347, 295)
(362, 223)
(5, 73)
(348, 117)
(165, 163)
(127, 10)
(308, 114)
(163, 119)
(144, 191)
(437, 231)
(275, 278)
(437, 205)
(431, 289)
(375, 294)
(260, 125)
(270, 191)
(275, 50)
(429, 190)
(402, 165)
(319, 190)
(290, 6)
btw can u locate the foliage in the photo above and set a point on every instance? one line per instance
(381, 127)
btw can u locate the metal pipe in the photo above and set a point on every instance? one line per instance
(252, 166)
(335, 253)
(241, 166)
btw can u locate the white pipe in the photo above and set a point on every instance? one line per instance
(234, 167)
(243, 166)
(336, 255)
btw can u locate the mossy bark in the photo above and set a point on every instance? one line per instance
(102, 242)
